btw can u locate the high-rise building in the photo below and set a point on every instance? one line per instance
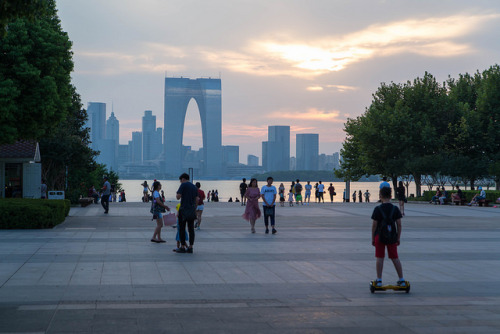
(113, 128)
(148, 135)
(252, 160)
(307, 151)
(136, 156)
(207, 94)
(97, 122)
(231, 154)
(276, 151)
(329, 162)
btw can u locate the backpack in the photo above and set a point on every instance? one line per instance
(298, 188)
(388, 233)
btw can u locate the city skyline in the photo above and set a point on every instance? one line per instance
(311, 64)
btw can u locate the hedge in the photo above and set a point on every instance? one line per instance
(32, 213)
(491, 195)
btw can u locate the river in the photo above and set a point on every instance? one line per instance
(231, 188)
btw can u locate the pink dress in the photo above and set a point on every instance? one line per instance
(252, 211)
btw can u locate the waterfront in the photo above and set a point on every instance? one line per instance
(230, 188)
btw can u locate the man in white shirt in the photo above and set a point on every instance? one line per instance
(321, 190)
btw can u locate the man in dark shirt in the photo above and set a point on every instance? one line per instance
(243, 190)
(188, 194)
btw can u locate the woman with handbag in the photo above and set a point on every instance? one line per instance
(252, 211)
(157, 208)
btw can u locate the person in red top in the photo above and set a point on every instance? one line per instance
(200, 206)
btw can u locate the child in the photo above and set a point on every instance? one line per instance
(290, 198)
(177, 226)
(386, 208)
(282, 198)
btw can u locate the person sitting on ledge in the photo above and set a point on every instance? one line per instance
(230, 200)
(478, 197)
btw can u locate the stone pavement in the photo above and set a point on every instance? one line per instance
(99, 273)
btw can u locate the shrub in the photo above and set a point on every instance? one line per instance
(490, 194)
(32, 213)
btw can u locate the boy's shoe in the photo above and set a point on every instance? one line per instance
(274, 231)
(378, 282)
(267, 231)
(401, 283)
(180, 250)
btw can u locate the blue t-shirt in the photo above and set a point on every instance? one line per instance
(385, 184)
(269, 193)
(107, 191)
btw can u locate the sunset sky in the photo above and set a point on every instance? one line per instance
(308, 64)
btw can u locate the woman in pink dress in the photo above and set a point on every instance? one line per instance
(252, 211)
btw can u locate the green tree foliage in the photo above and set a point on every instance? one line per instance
(35, 66)
(424, 128)
(11, 10)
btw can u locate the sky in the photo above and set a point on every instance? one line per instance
(310, 64)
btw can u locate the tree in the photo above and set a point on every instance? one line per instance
(14, 9)
(35, 66)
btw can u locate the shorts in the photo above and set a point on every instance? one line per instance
(308, 194)
(200, 207)
(157, 216)
(298, 198)
(392, 249)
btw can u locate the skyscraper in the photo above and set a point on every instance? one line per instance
(97, 122)
(148, 135)
(113, 128)
(207, 94)
(276, 151)
(136, 147)
(231, 154)
(307, 151)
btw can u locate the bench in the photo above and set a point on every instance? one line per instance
(457, 201)
(486, 202)
(85, 201)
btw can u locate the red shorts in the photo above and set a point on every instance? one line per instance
(392, 249)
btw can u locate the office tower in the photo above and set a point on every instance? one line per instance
(136, 156)
(97, 122)
(207, 94)
(252, 160)
(157, 148)
(276, 151)
(113, 128)
(231, 154)
(123, 155)
(307, 151)
(148, 135)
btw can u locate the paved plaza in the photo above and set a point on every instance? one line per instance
(99, 273)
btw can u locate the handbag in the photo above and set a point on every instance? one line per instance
(169, 219)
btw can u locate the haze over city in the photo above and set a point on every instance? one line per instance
(307, 64)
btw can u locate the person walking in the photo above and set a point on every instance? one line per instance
(400, 194)
(243, 190)
(252, 211)
(331, 191)
(106, 192)
(298, 193)
(158, 207)
(188, 194)
(145, 191)
(308, 188)
(281, 192)
(268, 193)
(321, 190)
(200, 206)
